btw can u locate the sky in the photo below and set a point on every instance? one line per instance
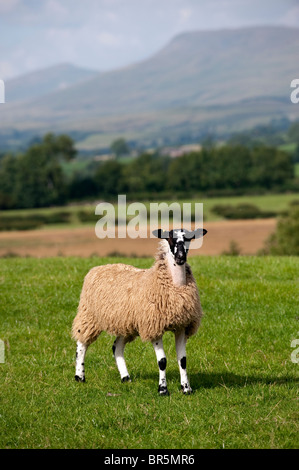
(108, 34)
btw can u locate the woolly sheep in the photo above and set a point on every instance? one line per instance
(128, 302)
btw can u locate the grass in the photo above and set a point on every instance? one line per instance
(245, 384)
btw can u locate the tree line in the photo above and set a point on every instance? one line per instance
(36, 177)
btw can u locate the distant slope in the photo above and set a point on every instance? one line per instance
(221, 80)
(200, 68)
(45, 81)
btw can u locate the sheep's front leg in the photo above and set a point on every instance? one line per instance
(180, 344)
(161, 359)
(118, 351)
(80, 356)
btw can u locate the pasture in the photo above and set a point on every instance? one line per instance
(245, 384)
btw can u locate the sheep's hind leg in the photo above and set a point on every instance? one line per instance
(118, 351)
(161, 359)
(180, 344)
(80, 356)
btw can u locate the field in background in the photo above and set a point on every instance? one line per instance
(247, 236)
(271, 202)
(245, 384)
(77, 236)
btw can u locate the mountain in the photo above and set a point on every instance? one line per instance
(202, 81)
(45, 81)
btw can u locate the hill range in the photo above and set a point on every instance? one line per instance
(202, 82)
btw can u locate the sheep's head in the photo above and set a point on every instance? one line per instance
(179, 241)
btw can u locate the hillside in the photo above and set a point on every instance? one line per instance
(201, 81)
(45, 81)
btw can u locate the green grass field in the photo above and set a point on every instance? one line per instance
(239, 363)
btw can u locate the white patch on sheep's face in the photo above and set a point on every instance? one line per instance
(179, 235)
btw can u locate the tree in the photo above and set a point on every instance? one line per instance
(35, 178)
(293, 132)
(8, 170)
(109, 178)
(120, 147)
(270, 167)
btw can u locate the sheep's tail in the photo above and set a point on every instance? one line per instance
(83, 330)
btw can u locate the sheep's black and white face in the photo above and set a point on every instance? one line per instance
(179, 241)
(178, 245)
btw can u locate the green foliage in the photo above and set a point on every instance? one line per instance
(120, 147)
(234, 249)
(146, 174)
(35, 178)
(245, 384)
(108, 178)
(230, 167)
(241, 211)
(32, 221)
(293, 132)
(285, 241)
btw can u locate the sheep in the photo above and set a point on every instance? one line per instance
(128, 302)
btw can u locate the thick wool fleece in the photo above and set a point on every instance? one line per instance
(127, 301)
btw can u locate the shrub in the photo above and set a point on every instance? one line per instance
(8, 223)
(87, 216)
(241, 211)
(33, 221)
(285, 241)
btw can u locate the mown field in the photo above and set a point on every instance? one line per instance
(245, 384)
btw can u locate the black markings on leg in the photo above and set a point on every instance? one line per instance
(162, 363)
(113, 348)
(187, 390)
(183, 362)
(126, 379)
(79, 379)
(162, 389)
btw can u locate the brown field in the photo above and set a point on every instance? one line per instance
(249, 235)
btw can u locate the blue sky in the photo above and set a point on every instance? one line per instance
(108, 34)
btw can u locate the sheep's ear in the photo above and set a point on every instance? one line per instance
(200, 232)
(159, 233)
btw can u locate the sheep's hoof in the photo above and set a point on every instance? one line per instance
(163, 391)
(79, 379)
(187, 390)
(127, 378)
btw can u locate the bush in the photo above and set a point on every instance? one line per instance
(241, 211)
(30, 222)
(86, 216)
(62, 217)
(285, 241)
(8, 223)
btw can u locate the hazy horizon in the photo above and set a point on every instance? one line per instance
(110, 34)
